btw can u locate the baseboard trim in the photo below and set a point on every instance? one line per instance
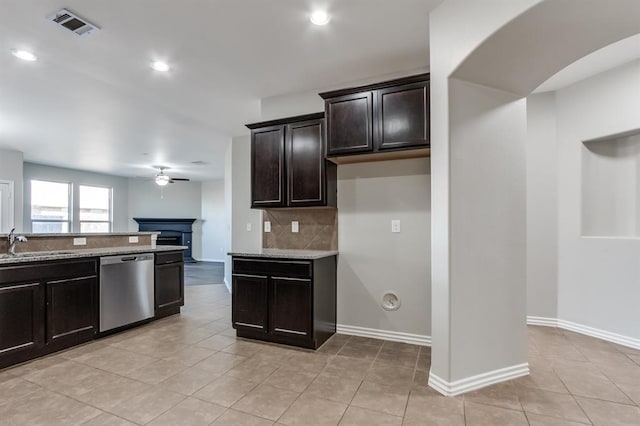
(542, 321)
(211, 260)
(586, 330)
(394, 336)
(226, 283)
(476, 382)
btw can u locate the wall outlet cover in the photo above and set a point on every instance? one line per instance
(395, 226)
(295, 226)
(249, 227)
(80, 241)
(133, 240)
(267, 226)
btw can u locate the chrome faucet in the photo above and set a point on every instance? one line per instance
(13, 240)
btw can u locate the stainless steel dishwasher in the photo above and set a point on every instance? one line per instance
(126, 290)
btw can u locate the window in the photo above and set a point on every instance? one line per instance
(95, 209)
(50, 207)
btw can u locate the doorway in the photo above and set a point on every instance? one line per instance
(6, 206)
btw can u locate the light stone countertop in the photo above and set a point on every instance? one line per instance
(39, 256)
(285, 254)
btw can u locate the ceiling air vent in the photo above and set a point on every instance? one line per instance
(74, 23)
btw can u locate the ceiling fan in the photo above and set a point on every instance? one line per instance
(163, 179)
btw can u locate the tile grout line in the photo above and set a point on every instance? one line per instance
(300, 394)
(574, 398)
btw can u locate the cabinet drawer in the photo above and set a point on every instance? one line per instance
(49, 270)
(169, 257)
(288, 268)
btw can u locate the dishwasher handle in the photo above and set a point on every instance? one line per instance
(111, 260)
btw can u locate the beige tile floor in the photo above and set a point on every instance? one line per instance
(191, 370)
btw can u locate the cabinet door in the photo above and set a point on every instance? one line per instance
(267, 167)
(290, 307)
(249, 302)
(349, 123)
(21, 322)
(71, 310)
(169, 286)
(402, 116)
(306, 164)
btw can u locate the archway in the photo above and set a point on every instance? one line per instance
(485, 58)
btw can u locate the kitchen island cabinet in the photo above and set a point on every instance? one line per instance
(45, 307)
(50, 301)
(169, 283)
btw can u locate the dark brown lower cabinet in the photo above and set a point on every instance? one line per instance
(71, 310)
(169, 283)
(249, 295)
(21, 321)
(288, 301)
(49, 306)
(45, 307)
(290, 306)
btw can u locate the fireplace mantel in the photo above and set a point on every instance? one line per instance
(173, 231)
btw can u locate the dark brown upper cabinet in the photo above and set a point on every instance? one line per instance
(384, 117)
(350, 123)
(288, 168)
(267, 167)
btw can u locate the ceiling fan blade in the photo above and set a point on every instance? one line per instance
(181, 179)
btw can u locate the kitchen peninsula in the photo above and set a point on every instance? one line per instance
(60, 290)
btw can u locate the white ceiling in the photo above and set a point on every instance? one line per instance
(94, 104)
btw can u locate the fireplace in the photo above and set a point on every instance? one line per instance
(173, 232)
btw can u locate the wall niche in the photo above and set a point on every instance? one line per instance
(611, 186)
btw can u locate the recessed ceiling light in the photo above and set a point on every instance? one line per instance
(320, 17)
(24, 55)
(160, 66)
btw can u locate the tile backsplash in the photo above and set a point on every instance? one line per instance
(65, 242)
(318, 229)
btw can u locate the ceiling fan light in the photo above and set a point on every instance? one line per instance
(162, 180)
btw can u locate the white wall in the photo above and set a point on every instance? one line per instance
(598, 276)
(610, 186)
(542, 207)
(11, 170)
(487, 229)
(118, 184)
(228, 214)
(478, 206)
(372, 259)
(213, 221)
(178, 200)
(241, 213)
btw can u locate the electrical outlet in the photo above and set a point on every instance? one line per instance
(295, 226)
(395, 226)
(267, 226)
(80, 241)
(133, 240)
(249, 227)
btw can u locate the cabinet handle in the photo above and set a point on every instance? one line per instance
(292, 279)
(249, 276)
(284, 330)
(244, 324)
